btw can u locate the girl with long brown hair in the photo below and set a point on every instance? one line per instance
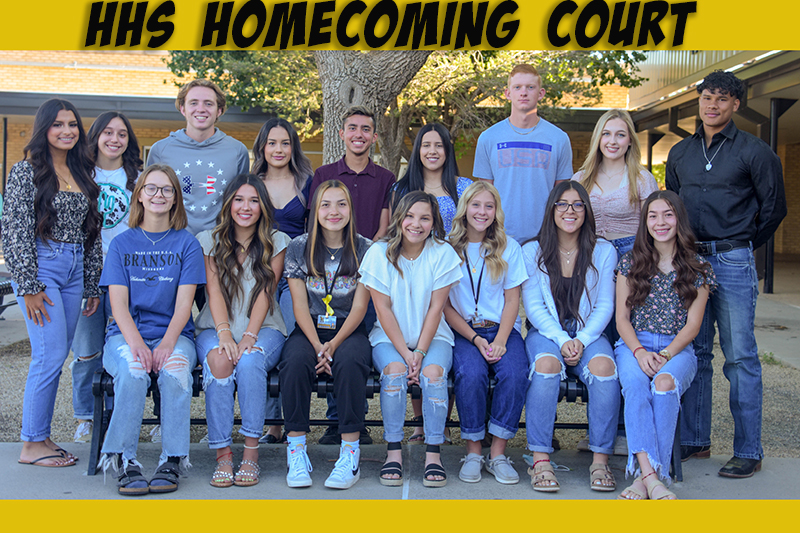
(569, 299)
(662, 289)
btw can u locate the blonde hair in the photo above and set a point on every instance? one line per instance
(633, 157)
(494, 242)
(177, 214)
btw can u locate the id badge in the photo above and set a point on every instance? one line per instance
(326, 322)
(478, 322)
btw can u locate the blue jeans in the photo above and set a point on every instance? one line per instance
(651, 415)
(472, 386)
(623, 245)
(249, 378)
(130, 389)
(394, 391)
(542, 400)
(61, 269)
(733, 307)
(87, 350)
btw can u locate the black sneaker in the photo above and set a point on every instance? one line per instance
(365, 437)
(331, 436)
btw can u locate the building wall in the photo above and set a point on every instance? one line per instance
(787, 238)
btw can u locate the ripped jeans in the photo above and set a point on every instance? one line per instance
(542, 400)
(394, 391)
(130, 389)
(87, 357)
(650, 415)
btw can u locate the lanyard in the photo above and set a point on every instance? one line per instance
(476, 295)
(328, 295)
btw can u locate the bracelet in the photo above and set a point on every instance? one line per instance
(637, 349)
(417, 350)
(251, 335)
(665, 354)
(224, 329)
(218, 325)
(473, 338)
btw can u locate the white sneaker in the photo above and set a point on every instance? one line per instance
(84, 432)
(299, 467)
(204, 440)
(471, 469)
(500, 467)
(155, 433)
(346, 470)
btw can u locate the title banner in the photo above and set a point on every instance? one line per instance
(398, 25)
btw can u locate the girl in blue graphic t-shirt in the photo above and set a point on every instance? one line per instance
(151, 272)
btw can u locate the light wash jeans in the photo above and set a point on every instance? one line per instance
(87, 357)
(542, 400)
(472, 373)
(130, 389)
(733, 307)
(651, 415)
(394, 391)
(61, 269)
(249, 379)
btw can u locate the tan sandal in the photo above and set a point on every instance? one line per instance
(598, 473)
(220, 478)
(248, 477)
(542, 472)
(658, 491)
(637, 491)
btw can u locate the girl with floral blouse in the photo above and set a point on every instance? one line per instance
(662, 289)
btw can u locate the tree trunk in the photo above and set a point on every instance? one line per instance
(371, 79)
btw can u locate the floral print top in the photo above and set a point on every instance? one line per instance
(19, 232)
(663, 311)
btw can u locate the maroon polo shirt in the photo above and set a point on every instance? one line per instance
(369, 189)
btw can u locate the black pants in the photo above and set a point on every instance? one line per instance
(351, 365)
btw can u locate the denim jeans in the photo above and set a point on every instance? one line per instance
(249, 379)
(61, 269)
(87, 357)
(623, 246)
(733, 307)
(472, 373)
(130, 389)
(651, 415)
(542, 399)
(394, 391)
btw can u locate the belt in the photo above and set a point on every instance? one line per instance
(716, 247)
(488, 324)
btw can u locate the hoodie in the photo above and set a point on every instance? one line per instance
(203, 169)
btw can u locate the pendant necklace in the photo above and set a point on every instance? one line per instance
(69, 187)
(332, 252)
(244, 246)
(567, 254)
(472, 267)
(709, 166)
(159, 240)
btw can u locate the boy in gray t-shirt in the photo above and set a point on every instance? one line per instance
(523, 156)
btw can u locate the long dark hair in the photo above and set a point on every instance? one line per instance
(645, 257)
(567, 292)
(299, 164)
(37, 152)
(259, 250)
(315, 252)
(131, 160)
(413, 179)
(394, 235)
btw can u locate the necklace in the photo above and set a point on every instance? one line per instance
(411, 259)
(244, 245)
(332, 252)
(523, 132)
(474, 267)
(614, 175)
(567, 254)
(709, 165)
(69, 187)
(151, 240)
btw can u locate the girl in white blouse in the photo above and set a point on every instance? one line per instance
(409, 275)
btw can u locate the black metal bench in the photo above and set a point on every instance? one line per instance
(6, 290)
(103, 387)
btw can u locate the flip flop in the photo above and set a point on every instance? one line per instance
(66, 454)
(35, 462)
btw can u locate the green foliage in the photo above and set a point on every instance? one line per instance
(660, 173)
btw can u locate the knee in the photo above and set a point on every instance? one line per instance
(547, 364)
(393, 379)
(218, 364)
(664, 383)
(177, 368)
(87, 358)
(433, 372)
(602, 367)
(135, 369)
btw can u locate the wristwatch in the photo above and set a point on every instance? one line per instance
(665, 354)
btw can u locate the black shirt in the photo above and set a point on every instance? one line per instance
(740, 198)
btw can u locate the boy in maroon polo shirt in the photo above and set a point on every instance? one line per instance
(369, 184)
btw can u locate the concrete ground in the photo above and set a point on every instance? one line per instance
(777, 330)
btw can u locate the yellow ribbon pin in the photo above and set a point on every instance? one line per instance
(328, 308)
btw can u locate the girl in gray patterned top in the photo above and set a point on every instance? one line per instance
(52, 245)
(330, 337)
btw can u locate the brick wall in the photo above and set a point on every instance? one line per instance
(787, 238)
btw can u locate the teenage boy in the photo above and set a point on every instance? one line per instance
(732, 185)
(368, 183)
(203, 157)
(523, 156)
(369, 186)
